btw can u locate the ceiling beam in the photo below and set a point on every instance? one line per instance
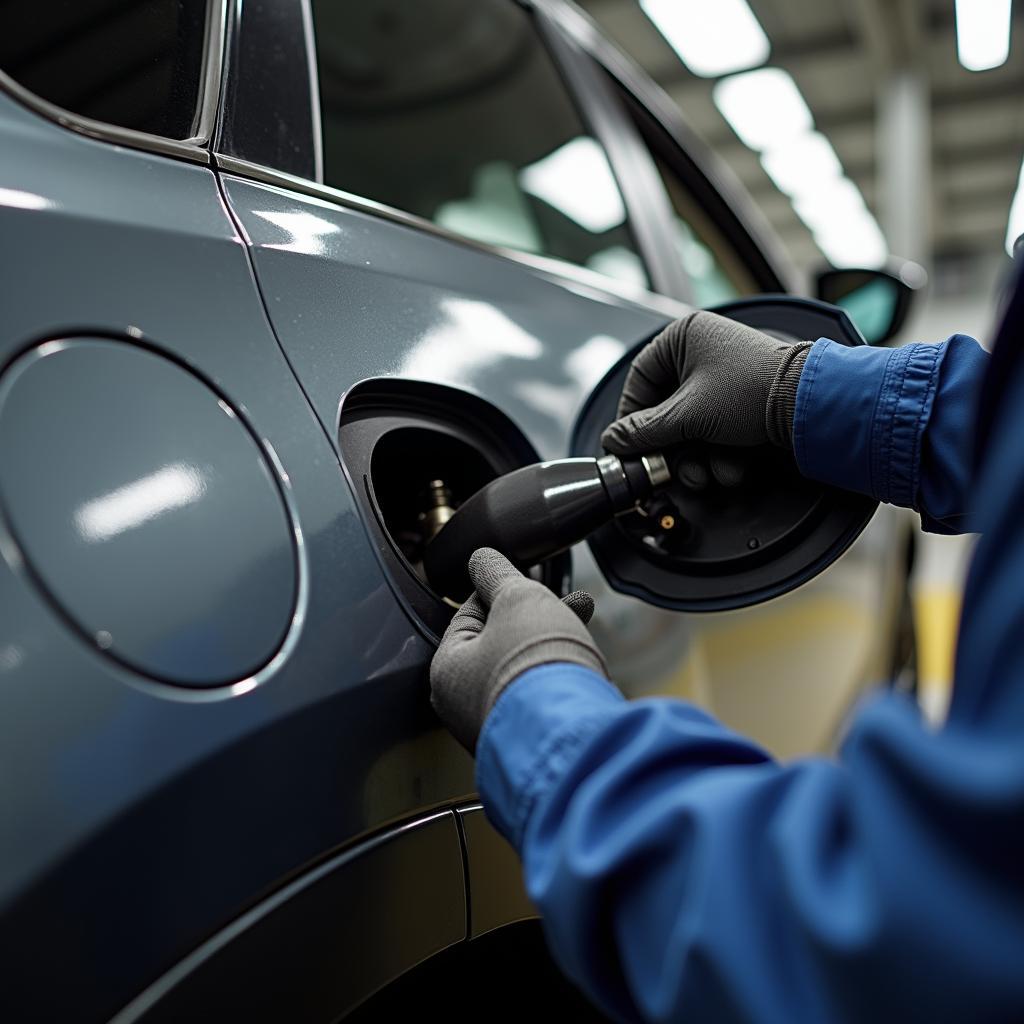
(859, 115)
(947, 158)
(982, 95)
(880, 31)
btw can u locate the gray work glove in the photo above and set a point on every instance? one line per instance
(708, 378)
(509, 625)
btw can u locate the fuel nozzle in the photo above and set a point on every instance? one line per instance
(535, 512)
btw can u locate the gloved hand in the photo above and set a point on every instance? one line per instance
(708, 378)
(509, 625)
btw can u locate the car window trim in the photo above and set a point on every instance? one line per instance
(646, 202)
(250, 30)
(743, 224)
(314, 90)
(561, 272)
(203, 119)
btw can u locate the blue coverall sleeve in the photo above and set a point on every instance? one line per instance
(684, 875)
(892, 423)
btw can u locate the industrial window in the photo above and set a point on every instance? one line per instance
(453, 110)
(132, 63)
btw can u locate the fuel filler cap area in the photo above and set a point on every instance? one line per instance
(707, 543)
(145, 510)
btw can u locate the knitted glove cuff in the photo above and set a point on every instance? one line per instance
(781, 406)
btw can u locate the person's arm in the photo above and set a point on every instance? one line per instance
(682, 874)
(891, 423)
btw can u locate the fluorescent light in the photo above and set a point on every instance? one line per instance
(853, 242)
(1015, 225)
(764, 107)
(843, 227)
(838, 197)
(982, 33)
(711, 37)
(577, 180)
(801, 166)
(767, 111)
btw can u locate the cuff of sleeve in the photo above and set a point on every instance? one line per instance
(532, 734)
(860, 416)
(782, 397)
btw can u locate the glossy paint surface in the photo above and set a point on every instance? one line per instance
(311, 951)
(152, 815)
(146, 510)
(352, 296)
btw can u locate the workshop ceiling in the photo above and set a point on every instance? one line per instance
(840, 53)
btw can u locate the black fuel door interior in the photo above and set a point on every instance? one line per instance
(711, 547)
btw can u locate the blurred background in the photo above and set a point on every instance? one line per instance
(863, 128)
(860, 127)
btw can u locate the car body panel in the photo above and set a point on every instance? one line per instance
(497, 894)
(151, 815)
(327, 941)
(352, 296)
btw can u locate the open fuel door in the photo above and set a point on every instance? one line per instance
(713, 547)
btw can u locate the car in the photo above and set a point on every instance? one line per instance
(282, 284)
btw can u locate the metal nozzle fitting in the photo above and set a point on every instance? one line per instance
(657, 470)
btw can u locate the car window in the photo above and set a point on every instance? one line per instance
(715, 271)
(136, 65)
(453, 110)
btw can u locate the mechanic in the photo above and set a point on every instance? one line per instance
(683, 874)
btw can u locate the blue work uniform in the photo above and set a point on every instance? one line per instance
(684, 874)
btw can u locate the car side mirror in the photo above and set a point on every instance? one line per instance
(878, 301)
